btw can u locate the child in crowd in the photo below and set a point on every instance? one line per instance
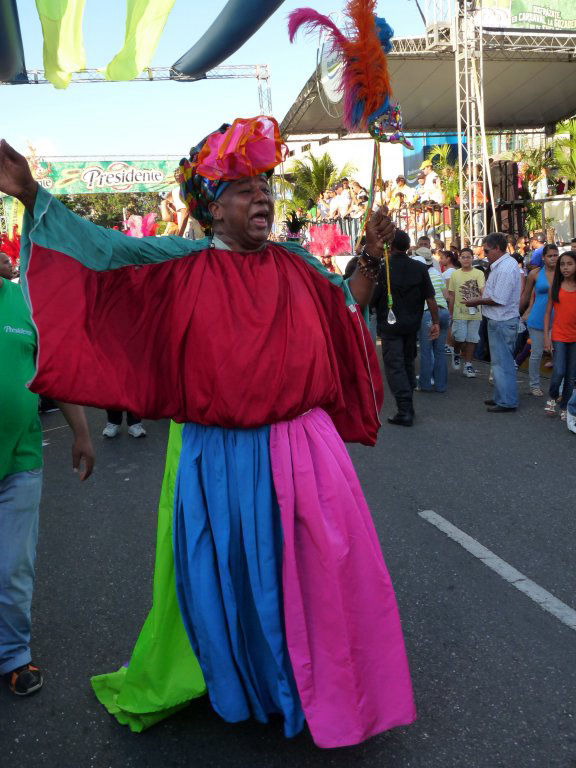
(464, 284)
(533, 303)
(561, 333)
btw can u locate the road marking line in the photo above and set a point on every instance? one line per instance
(64, 426)
(535, 592)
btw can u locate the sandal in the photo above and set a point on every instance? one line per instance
(25, 680)
(550, 408)
(537, 392)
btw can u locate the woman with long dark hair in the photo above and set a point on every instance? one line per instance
(561, 333)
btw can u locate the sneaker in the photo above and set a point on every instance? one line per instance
(137, 430)
(25, 680)
(571, 422)
(469, 371)
(455, 362)
(550, 408)
(491, 377)
(110, 430)
(537, 392)
(562, 415)
(448, 349)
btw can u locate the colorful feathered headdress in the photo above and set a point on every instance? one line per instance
(11, 246)
(327, 241)
(365, 80)
(141, 226)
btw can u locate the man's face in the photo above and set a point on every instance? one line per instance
(492, 254)
(244, 212)
(6, 270)
(573, 247)
(423, 242)
(465, 259)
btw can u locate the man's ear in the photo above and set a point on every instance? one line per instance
(215, 210)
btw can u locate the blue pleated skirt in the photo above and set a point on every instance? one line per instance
(228, 564)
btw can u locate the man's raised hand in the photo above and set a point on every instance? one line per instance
(16, 178)
(379, 231)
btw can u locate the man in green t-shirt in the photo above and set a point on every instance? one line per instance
(21, 480)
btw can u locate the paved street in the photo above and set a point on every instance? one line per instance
(494, 674)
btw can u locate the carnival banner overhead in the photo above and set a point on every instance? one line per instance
(83, 177)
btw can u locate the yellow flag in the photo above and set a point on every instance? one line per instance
(145, 21)
(63, 44)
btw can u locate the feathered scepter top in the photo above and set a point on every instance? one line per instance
(365, 80)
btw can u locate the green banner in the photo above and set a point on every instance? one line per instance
(544, 14)
(98, 176)
(529, 14)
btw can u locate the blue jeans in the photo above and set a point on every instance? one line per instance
(564, 368)
(432, 355)
(572, 404)
(19, 504)
(502, 338)
(536, 352)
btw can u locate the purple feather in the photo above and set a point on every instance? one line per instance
(312, 19)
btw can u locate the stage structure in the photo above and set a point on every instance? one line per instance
(461, 74)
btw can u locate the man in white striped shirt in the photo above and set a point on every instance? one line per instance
(501, 301)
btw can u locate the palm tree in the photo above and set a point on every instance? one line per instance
(314, 175)
(447, 171)
(564, 150)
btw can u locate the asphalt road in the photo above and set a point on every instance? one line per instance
(494, 674)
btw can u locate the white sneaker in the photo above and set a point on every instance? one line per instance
(469, 371)
(111, 430)
(571, 422)
(137, 430)
(455, 362)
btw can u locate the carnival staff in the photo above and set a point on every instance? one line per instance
(272, 574)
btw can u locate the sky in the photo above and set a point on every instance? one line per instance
(161, 118)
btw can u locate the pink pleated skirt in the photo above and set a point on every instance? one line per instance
(343, 630)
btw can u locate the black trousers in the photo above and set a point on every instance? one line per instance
(399, 355)
(115, 417)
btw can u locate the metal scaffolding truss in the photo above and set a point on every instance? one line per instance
(259, 72)
(439, 43)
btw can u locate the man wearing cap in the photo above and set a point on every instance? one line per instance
(537, 243)
(267, 574)
(429, 181)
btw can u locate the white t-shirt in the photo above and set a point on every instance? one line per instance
(334, 205)
(429, 185)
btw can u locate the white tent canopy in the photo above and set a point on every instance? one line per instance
(529, 82)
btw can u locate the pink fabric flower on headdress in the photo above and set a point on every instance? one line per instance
(249, 147)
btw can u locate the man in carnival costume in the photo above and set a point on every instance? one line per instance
(270, 590)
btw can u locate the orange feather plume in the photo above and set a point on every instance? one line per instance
(367, 78)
